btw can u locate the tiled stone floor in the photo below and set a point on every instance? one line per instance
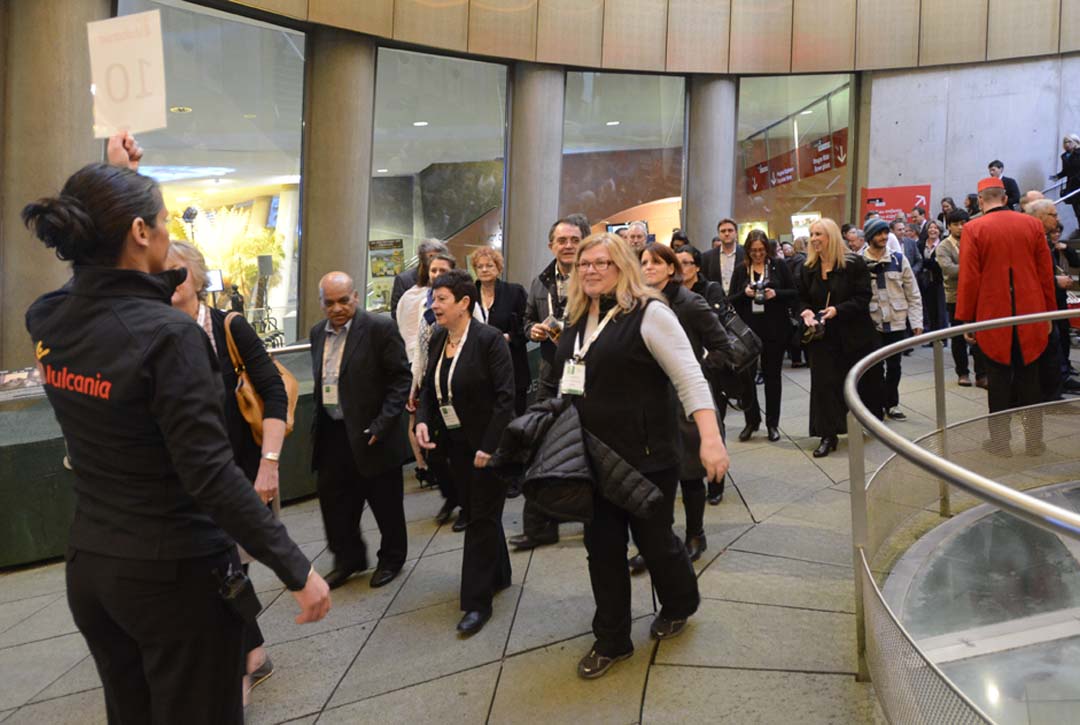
(773, 642)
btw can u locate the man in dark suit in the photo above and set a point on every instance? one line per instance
(362, 379)
(407, 279)
(1012, 189)
(719, 263)
(918, 221)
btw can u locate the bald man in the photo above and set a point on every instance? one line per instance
(362, 380)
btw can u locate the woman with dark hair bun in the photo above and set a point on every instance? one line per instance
(153, 577)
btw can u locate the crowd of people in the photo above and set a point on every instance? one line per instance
(639, 363)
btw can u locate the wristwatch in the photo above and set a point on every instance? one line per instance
(272, 456)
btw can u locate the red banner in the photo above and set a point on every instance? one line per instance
(757, 178)
(782, 168)
(891, 202)
(815, 157)
(839, 148)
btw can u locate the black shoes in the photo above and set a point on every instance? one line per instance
(895, 414)
(716, 493)
(774, 434)
(664, 628)
(382, 577)
(595, 665)
(340, 574)
(524, 542)
(637, 564)
(461, 523)
(745, 433)
(695, 545)
(445, 513)
(828, 443)
(472, 623)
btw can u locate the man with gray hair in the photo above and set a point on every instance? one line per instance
(407, 279)
(1063, 256)
(637, 236)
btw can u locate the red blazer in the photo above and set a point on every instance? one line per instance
(992, 245)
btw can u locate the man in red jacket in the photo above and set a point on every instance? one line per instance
(1005, 270)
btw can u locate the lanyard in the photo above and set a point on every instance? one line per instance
(453, 366)
(580, 351)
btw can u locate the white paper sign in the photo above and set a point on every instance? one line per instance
(127, 64)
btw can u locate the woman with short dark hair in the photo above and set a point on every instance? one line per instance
(711, 345)
(466, 400)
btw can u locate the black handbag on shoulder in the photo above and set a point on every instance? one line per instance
(745, 344)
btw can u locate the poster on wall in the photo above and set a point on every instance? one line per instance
(891, 202)
(386, 257)
(800, 223)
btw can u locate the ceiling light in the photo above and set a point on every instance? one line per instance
(249, 116)
(382, 171)
(806, 112)
(612, 123)
(419, 124)
(180, 109)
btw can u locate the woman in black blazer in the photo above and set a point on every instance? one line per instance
(502, 305)
(191, 298)
(465, 402)
(763, 293)
(835, 284)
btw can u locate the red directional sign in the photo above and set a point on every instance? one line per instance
(815, 157)
(892, 201)
(757, 178)
(839, 148)
(782, 168)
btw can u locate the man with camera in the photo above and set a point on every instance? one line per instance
(895, 299)
(545, 311)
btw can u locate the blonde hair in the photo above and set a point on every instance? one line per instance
(490, 253)
(1074, 138)
(630, 289)
(195, 262)
(833, 249)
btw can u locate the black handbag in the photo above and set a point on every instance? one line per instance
(817, 332)
(745, 344)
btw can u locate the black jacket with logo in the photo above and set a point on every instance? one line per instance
(137, 393)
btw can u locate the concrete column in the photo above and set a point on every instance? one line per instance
(535, 168)
(47, 136)
(710, 156)
(339, 126)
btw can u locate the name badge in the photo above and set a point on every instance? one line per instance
(573, 379)
(449, 417)
(329, 394)
(757, 308)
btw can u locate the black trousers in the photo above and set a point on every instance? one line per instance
(1013, 386)
(772, 362)
(485, 564)
(669, 566)
(888, 372)
(167, 647)
(343, 491)
(253, 636)
(960, 350)
(693, 498)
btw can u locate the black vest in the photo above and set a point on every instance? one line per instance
(629, 402)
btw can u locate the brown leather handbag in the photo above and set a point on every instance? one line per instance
(247, 398)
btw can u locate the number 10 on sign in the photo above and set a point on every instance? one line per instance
(127, 64)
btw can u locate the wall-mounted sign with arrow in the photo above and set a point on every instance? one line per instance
(893, 202)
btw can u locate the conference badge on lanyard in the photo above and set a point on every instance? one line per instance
(449, 416)
(573, 376)
(446, 407)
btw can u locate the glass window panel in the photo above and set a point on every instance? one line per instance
(623, 150)
(229, 161)
(437, 161)
(787, 130)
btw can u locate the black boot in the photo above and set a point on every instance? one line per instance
(716, 492)
(695, 545)
(828, 443)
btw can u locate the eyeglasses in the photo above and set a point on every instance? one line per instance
(599, 265)
(566, 242)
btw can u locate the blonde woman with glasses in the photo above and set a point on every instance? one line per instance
(618, 360)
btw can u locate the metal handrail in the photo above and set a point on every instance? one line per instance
(1071, 193)
(297, 347)
(1038, 512)
(1055, 185)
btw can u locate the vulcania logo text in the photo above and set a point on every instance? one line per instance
(66, 380)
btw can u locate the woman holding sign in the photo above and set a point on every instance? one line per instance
(618, 359)
(465, 402)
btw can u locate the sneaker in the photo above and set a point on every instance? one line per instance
(595, 665)
(664, 628)
(895, 414)
(964, 381)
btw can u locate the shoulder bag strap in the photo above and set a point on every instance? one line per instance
(234, 353)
